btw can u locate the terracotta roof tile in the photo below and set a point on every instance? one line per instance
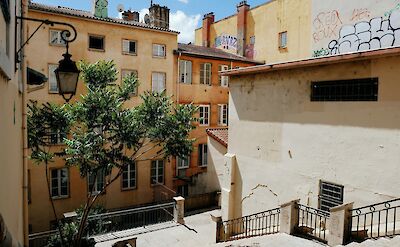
(202, 51)
(219, 134)
(88, 15)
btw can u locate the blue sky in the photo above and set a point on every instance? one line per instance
(186, 15)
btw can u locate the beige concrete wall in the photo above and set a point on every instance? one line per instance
(40, 54)
(265, 22)
(285, 144)
(11, 135)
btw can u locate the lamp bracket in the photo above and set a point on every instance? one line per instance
(66, 35)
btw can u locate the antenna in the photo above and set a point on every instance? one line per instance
(120, 8)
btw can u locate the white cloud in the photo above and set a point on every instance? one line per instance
(185, 24)
(184, 1)
(142, 13)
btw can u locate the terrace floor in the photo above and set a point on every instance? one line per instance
(198, 231)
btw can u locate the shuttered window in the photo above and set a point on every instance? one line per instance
(158, 82)
(159, 50)
(185, 71)
(205, 73)
(203, 151)
(53, 87)
(223, 114)
(330, 195)
(223, 80)
(129, 47)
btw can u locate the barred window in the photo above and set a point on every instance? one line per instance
(345, 90)
(330, 195)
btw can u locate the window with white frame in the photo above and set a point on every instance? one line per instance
(223, 114)
(205, 73)
(53, 87)
(59, 183)
(185, 71)
(96, 182)
(55, 38)
(204, 116)
(330, 195)
(56, 137)
(183, 163)
(223, 80)
(203, 151)
(283, 40)
(129, 47)
(157, 172)
(159, 50)
(129, 177)
(128, 72)
(158, 82)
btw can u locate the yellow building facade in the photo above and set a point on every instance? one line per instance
(279, 30)
(135, 48)
(13, 212)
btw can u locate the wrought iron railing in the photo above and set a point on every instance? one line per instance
(40, 239)
(312, 222)
(133, 218)
(375, 221)
(259, 224)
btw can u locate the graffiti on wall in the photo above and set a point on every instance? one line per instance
(226, 42)
(339, 29)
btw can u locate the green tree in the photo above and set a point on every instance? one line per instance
(103, 134)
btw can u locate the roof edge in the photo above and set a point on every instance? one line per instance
(219, 140)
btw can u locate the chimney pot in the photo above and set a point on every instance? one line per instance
(130, 15)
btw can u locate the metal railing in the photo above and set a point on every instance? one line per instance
(259, 224)
(133, 218)
(375, 221)
(40, 239)
(312, 222)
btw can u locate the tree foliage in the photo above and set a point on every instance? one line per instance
(102, 133)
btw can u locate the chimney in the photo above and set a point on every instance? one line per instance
(208, 19)
(159, 16)
(130, 16)
(242, 9)
(100, 8)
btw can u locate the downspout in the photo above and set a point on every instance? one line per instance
(24, 8)
(178, 79)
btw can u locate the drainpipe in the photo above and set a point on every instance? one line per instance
(24, 7)
(178, 78)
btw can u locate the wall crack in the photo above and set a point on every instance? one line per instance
(259, 186)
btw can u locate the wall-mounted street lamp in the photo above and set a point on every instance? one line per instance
(67, 73)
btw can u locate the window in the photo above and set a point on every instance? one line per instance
(183, 190)
(129, 47)
(223, 114)
(223, 80)
(205, 73)
(203, 155)
(53, 87)
(55, 38)
(59, 183)
(126, 72)
(185, 71)
(96, 42)
(157, 172)
(56, 137)
(330, 195)
(183, 163)
(283, 40)
(204, 115)
(129, 177)
(96, 182)
(158, 82)
(158, 50)
(345, 90)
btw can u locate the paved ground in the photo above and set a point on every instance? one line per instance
(199, 231)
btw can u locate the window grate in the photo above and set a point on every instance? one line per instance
(345, 90)
(330, 195)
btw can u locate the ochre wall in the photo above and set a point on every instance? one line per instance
(285, 144)
(11, 134)
(203, 94)
(265, 22)
(40, 54)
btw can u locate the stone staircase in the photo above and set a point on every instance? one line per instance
(381, 242)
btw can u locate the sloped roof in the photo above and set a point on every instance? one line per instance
(220, 135)
(88, 15)
(208, 52)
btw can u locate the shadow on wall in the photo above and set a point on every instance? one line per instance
(284, 96)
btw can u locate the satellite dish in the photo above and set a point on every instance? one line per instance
(120, 8)
(147, 19)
